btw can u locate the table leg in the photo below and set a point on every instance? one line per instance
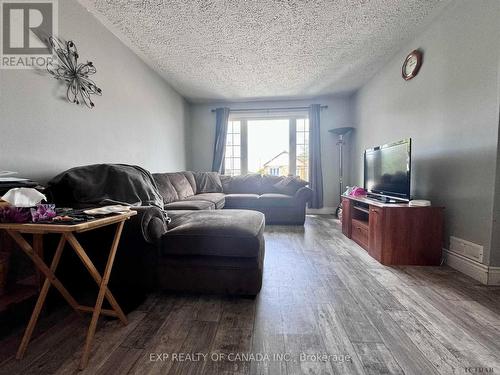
(87, 262)
(26, 247)
(41, 300)
(103, 289)
(38, 249)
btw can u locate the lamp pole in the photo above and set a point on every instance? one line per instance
(341, 132)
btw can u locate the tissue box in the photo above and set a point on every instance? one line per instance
(24, 197)
(24, 206)
(42, 212)
(11, 214)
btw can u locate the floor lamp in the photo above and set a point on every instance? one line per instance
(341, 132)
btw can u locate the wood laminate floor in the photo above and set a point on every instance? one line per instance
(326, 307)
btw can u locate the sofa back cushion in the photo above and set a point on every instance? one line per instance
(289, 185)
(245, 184)
(165, 187)
(208, 182)
(183, 185)
(268, 182)
(256, 184)
(191, 179)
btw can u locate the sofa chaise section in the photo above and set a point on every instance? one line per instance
(200, 250)
(213, 251)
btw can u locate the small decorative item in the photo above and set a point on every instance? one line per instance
(80, 86)
(43, 212)
(358, 192)
(348, 190)
(419, 203)
(412, 65)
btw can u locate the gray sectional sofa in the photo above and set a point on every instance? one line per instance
(282, 200)
(194, 232)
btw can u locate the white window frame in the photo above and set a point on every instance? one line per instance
(292, 121)
(226, 157)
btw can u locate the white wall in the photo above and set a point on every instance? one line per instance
(450, 110)
(495, 235)
(139, 119)
(339, 113)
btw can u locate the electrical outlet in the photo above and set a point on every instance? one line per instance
(466, 248)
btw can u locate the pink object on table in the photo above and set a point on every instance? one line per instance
(358, 192)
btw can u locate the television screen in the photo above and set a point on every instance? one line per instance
(387, 169)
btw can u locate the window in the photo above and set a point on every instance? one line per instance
(278, 147)
(274, 171)
(302, 144)
(232, 160)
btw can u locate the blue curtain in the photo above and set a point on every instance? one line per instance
(315, 173)
(221, 121)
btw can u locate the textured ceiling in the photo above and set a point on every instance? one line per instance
(234, 50)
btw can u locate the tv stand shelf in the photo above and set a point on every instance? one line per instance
(394, 234)
(362, 209)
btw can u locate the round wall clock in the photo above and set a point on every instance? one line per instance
(412, 65)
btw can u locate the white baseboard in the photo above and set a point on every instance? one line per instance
(324, 210)
(494, 276)
(487, 275)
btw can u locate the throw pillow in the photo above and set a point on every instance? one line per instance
(208, 182)
(289, 185)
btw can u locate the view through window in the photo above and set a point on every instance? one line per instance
(268, 147)
(278, 147)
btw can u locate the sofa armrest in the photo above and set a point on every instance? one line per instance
(150, 222)
(304, 194)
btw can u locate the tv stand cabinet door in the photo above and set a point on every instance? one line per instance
(376, 232)
(346, 217)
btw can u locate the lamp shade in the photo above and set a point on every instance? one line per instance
(341, 131)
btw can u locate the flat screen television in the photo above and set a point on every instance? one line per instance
(388, 171)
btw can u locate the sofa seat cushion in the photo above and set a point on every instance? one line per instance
(216, 198)
(276, 200)
(241, 200)
(190, 205)
(233, 233)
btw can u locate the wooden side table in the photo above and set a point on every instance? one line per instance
(67, 234)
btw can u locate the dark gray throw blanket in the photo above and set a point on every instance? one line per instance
(104, 184)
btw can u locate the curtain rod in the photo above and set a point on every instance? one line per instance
(272, 109)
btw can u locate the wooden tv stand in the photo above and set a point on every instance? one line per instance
(394, 234)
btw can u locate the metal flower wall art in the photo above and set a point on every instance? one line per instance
(66, 68)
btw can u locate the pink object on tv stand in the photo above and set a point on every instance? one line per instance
(358, 192)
